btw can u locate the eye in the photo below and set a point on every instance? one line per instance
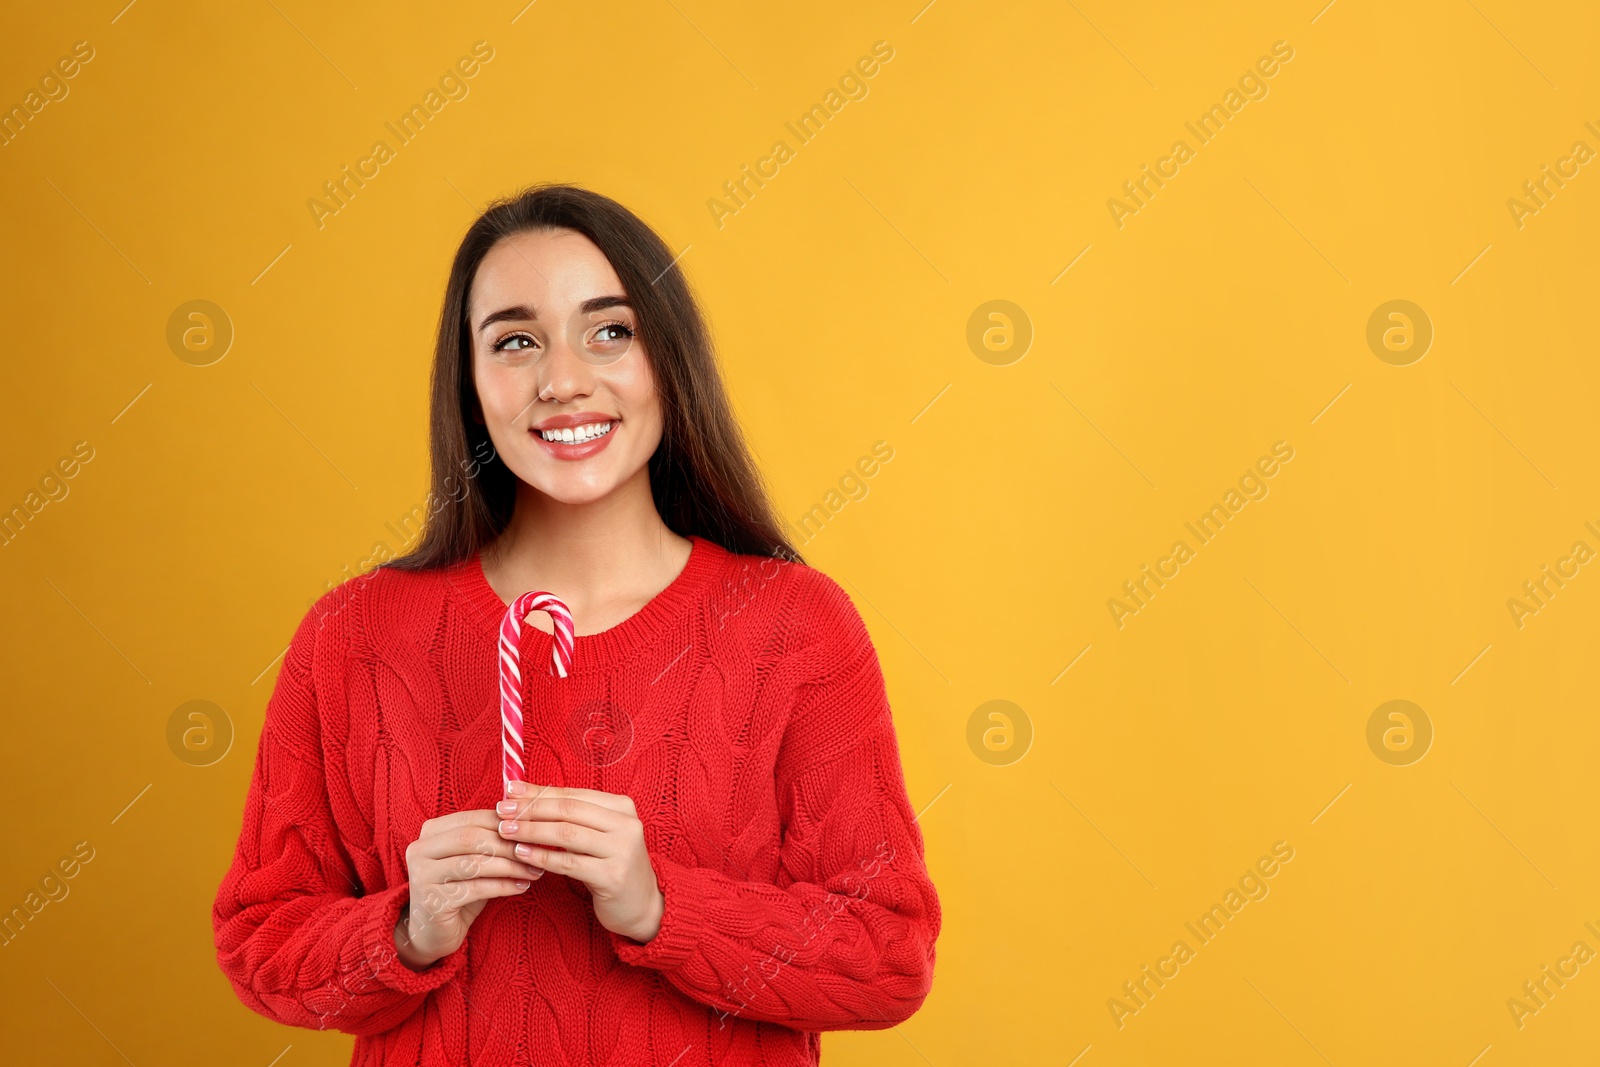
(503, 345)
(611, 331)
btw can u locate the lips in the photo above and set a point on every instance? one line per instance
(575, 450)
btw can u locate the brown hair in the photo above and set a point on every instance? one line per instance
(702, 476)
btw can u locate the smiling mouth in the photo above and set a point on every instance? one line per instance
(577, 435)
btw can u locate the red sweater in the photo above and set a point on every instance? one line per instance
(742, 709)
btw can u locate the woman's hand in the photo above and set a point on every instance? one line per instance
(456, 865)
(594, 837)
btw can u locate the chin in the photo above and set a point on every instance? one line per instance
(576, 490)
(576, 499)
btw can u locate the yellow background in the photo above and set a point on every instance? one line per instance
(1223, 317)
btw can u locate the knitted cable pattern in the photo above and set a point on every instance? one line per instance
(743, 709)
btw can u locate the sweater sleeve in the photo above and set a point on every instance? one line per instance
(299, 938)
(845, 938)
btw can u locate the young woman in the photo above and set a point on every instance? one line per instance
(713, 857)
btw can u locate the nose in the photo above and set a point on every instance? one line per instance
(563, 374)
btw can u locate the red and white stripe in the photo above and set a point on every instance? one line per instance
(511, 672)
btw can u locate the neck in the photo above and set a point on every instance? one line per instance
(593, 555)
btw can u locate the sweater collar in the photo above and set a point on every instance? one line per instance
(595, 651)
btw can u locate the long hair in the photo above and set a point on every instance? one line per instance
(702, 476)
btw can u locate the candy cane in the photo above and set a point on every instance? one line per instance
(511, 673)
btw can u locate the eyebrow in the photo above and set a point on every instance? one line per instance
(526, 312)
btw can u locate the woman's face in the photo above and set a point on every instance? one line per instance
(555, 348)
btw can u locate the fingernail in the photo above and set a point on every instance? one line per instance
(514, 789)
(508, 827)
(506, 807)
(523, 851)
(521, 885)
(534, 871)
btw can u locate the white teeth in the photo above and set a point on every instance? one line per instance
(586, 432)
